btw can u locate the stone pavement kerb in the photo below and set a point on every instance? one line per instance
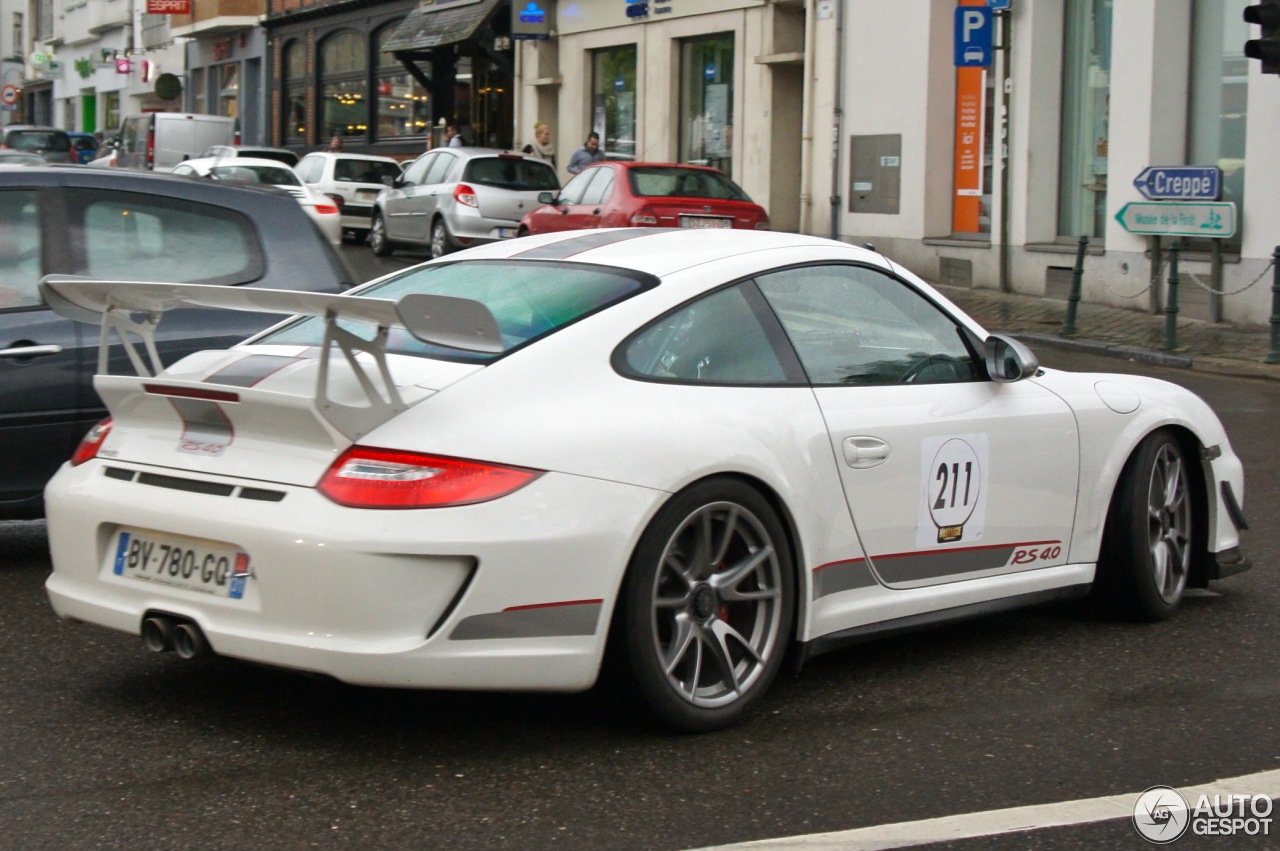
(1130, 334)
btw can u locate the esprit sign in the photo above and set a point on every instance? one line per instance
(168, 7)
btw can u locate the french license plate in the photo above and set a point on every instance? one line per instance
(210, 567)
(704, 222)
(366, 194)
(506, 233)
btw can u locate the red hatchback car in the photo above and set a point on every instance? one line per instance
(657, 195)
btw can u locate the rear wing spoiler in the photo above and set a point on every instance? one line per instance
(135, 309)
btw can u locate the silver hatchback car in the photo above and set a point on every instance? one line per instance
(451, 198)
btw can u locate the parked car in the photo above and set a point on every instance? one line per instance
(158, 141)
(124, 225)
(282, 155)
(710, 448)
(85, 146)
(248, 171)
(352, 181)
(450, 198)
(630, 194)
(52, 144)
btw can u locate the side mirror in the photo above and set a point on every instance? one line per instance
(546, 198)
(1008, 360)
(397, 181)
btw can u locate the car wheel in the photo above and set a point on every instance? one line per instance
(1151, 534)
(523, 231)
(378, 236)
(440, 243)
(708, 605)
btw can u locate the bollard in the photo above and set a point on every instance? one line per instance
(1171, 305)
(1073, 300)
(1273, 356)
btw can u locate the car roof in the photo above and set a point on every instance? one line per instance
(658, 251)
(343, 155)
(234, 162)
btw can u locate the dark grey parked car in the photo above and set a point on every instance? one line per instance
(49, 142)
(125, 225)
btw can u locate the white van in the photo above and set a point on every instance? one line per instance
(158, 141)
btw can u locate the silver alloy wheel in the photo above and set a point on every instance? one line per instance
(1169, 524)
(439, 239)
(378, 236)
(717, 605)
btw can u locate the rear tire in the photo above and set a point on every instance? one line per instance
(441, 242)
(707, 606)
(378, 240)
(1152, 533)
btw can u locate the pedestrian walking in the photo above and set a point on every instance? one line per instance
(541, 146)
(586, 155)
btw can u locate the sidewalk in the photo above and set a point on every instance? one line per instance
(1133, 334)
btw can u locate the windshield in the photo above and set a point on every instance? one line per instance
(528, 299)
(677, 182)
(270, 175)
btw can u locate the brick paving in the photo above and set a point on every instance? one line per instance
(1135, 334)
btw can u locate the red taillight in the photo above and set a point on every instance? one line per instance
(327, 210)
(92, 442)
(644, 216)
(367, 477)
(464, 194)
(338, 200)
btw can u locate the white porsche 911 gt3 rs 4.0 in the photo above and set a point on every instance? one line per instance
(703, 449)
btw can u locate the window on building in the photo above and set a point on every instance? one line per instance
(44, 15)
(706, 101)
(111, 111)
(199, 96)
(229, 89)
(613, 74)
(343, 66)
(1086, 98)
(294, 113)
(403, 107)
(1219, 97)
(17, 33)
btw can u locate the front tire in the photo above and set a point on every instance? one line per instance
(1151, 532)
(378, 240)
(707, 605)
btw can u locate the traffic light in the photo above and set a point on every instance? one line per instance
(1267, 48)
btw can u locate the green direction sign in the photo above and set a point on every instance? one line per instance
(1191, 218)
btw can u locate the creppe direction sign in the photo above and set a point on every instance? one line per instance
(1165, 218)
(1179, 182)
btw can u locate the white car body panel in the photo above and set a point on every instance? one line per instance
(518, 592)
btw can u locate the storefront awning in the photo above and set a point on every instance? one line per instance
(435, 23)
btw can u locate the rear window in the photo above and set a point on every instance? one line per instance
(38, 140)
(514, 173)
(528, 299)
(675, 182)
(255, 174)
(364, 171)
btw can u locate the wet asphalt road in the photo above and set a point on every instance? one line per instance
(105, 745)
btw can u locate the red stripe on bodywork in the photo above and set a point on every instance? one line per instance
(552, 605)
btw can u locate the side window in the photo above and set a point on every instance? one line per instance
(440, 169)
(600, 189)
(718, 339)
(575, 188)
(134, 237)
(19, 248)
(853, 325)
(417, 170)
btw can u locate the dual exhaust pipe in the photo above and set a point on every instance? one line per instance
(162, 633)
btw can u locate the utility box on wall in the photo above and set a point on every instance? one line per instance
(875, 173)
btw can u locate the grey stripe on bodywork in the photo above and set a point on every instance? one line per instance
(841, 576)
(203, 421)
(540, 622)
(248, 371)
(576, 245)
(911, 567)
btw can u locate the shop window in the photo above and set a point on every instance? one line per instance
(706, 101)
(613, 73)
(1086, 99)
(403, 107)
(294, 114)
(1219, 107)
(229, 90)
(111, 111)
(199, 101)
(344, 105)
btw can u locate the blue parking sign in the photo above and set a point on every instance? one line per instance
(974, 36)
